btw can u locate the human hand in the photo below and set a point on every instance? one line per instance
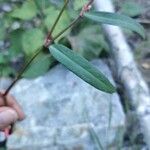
(11, 113)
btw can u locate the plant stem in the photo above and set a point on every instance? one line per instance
(64, 30)
(40, 49)
(60, 14)
(84, 9)
(23, 70)
(49, 37)
(50, 41)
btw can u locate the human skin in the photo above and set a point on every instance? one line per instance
(9, 113)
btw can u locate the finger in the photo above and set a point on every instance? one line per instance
(11, 102)
(3, 109)
(7, 117)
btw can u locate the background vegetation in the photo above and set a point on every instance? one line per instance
(25, 21)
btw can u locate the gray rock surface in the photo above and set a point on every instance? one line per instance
(62, 110)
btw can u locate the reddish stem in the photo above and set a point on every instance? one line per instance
(86, 7)
(50, 40)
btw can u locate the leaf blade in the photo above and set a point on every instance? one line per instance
(81, 67)
(116, 19)
(30, 47)
(26, 12)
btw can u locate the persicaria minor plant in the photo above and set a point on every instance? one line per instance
(73, 61)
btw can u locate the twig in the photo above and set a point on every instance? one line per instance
(46, 44)
(57, 19)
(85, 8)
(49, 42)
(49, 36)
(64, 30)
(22, 71)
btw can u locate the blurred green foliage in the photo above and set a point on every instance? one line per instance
(27, 11)
(131, 8)
(25, 28)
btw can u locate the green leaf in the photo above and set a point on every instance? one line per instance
(16, 43)
(6, 70)
(51, 14)
(26, 12)
(32, 40)
(39, 66)
(81, 67)
(116, 19)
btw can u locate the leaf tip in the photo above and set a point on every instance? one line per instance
(111, 90)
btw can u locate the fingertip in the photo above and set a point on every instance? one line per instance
(12, 103)
(7, 117)
(15, 105)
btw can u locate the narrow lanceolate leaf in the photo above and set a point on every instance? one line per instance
(116, 19)
(81, 67)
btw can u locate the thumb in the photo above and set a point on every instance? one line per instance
(7, 117)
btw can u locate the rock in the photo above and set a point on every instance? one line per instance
(64, 113)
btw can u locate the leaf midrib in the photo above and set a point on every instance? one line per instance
(89, 73)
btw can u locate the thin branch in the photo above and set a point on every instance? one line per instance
(50, 41)
(49, 37)
(85, 8)
(47, 42)
(60, 14)
(64, 30)
(22, 71)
